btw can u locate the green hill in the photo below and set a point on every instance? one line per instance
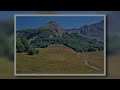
(59, 59)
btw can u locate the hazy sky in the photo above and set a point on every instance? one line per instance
(23, 22)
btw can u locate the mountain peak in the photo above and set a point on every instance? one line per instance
(54, 26)
(52, 22)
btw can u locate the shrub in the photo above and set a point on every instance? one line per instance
(92, 49)
(36, 51)
(31, 51)
(26, 43)
(19, 46)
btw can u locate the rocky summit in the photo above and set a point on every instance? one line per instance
(54, 26)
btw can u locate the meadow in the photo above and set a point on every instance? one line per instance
(59, 59)
(7, 71)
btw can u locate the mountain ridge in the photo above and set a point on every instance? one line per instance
(86, 38)
(95, 30)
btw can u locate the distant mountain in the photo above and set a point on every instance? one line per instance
(95, 30)
(85, 38)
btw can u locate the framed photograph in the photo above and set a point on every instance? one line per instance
(60, 45)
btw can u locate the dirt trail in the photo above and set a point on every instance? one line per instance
(86, 63)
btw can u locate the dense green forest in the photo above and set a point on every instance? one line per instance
(42, 38)
(23, 45)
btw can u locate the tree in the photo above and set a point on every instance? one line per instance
(36, 51)
(26, 44)
(19, 46)
(31, 51)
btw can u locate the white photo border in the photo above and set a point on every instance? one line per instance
(104, 74)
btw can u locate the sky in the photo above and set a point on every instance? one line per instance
(67, 22)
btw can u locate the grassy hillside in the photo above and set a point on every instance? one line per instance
(59, 59)
(6, 69)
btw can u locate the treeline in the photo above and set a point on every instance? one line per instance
(74, 41)
(42, 38)
(23, 45)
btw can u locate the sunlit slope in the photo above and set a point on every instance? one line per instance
(59, 59)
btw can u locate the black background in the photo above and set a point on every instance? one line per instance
(59, 5)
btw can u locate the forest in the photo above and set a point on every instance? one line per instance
(42, 38)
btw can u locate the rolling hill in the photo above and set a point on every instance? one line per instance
(59, 59)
